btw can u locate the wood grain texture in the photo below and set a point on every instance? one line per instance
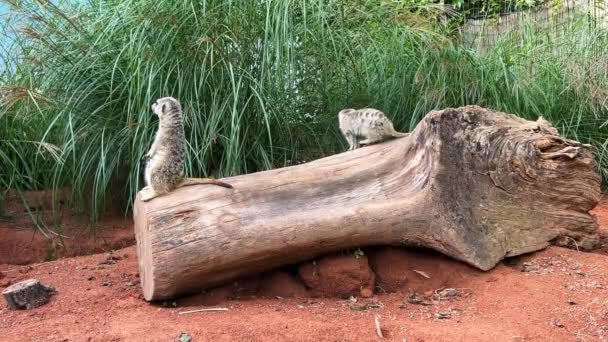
(474, 184)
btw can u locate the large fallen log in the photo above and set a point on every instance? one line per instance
(474, 184)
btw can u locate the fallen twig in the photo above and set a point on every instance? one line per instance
(202, 310)
(424, 274)
(378, 329)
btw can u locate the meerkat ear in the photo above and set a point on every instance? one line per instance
(162, 109)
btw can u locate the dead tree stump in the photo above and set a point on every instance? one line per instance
(472, 183)
(27, 294)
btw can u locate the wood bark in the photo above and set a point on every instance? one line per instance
(27, 294)
(472, 183)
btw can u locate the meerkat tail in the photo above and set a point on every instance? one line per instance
(195, 181)
(399, 134)
(148, 194)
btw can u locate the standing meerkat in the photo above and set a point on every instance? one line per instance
(369, 124)
(165, 168)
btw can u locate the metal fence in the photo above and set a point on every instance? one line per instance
(481, 30)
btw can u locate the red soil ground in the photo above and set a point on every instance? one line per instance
(553, 295)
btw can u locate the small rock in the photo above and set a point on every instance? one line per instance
(89, 278)
(26, 269)
(110, 260)
(106, 283)
(557, 324)
(27, 294)
(446, 293)
(374, 304)
(366, 292)
(417, 299)
(571, 302)
(580, 273)
(443, 315)
(529, 267)
(131, 283)
(183, 337)
(369, 305)
(358, 307)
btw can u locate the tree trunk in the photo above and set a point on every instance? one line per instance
(27, 294)
(474, 184)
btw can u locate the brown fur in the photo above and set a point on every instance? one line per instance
(165, 168)
(366, 126)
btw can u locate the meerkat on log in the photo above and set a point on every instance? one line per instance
(165, 167)
(368, 124)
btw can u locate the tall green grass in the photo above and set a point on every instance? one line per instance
(260, 82)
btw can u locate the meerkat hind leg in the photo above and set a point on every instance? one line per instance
(349, 139)
(355, 144)
(195, 181)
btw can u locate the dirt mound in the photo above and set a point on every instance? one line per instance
(399, 269)
(338, 276)
(282, 284)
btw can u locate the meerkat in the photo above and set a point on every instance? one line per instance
(165, 167)
(369, 124)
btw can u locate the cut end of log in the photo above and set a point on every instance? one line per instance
(27, 294)
(144, 255)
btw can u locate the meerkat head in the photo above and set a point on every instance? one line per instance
(167, 108)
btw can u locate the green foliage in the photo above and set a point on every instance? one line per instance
(492, 7)
(261, 83)
(473, 8)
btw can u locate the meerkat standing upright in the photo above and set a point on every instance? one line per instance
(165, 168)
(369, 124)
